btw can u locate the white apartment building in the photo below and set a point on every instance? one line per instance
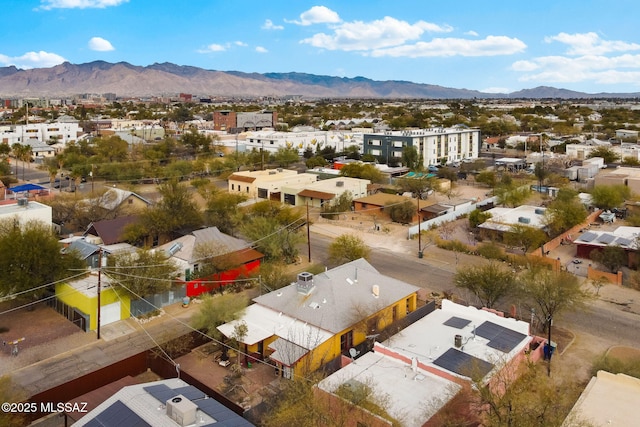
(272, 141)
(434, 146)
(60, 133)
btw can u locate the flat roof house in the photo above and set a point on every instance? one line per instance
(425, 365)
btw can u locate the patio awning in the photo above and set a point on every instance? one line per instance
(27, 187)
(286, 352)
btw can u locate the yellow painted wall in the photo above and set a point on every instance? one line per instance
(330, 349)
(89, 305)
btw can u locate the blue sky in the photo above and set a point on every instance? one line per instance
(494, 46)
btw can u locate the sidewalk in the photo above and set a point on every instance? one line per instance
(118, 341)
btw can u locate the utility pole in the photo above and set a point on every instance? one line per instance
(99, 285)
(308, 233)
(419, 233)
(550, 348)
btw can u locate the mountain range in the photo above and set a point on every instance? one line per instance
(125, 79)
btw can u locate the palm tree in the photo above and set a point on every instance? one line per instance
(23, 153)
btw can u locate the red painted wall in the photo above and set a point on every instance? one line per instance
(197, 287)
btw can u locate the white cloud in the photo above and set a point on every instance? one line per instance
(445, 47)
(216, 47)
(261, 49)
(29, 60)
(623, 69)
(471, 33)
(317, 15)
(588, 58)
(213, 48)
(590, 44)
(79, 4)
(100, 44)
(363, 36)
(269, 25)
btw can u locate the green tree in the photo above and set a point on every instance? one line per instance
(222, 211)
(612, 257)
(175, 211)
(30, 257)
(550, 293)
(216, 310)
(275, 229)
(410, 158)
(606, 153)
(525, 237)
(341, 205)
(488, 178)
(510, 194)
(531, 399)
(196, 141)
(346, 248)
(490, 283)
(401, 212)
(286, 156)
(316, 161)
(417, 186)
(363, 171)
(477, 217)
(564, 212)
(112, 148)
(142, 273)
(608, 197)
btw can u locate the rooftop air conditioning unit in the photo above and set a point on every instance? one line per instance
(272, 172)
(181, 410)
(539, 211)
(524, 220)
(23, 201)
(340, 184)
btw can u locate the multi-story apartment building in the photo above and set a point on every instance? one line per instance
(231, 121)
(434, 146)
(42, 132)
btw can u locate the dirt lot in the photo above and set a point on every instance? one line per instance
(41, 327)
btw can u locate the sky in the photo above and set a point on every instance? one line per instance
(499, 46)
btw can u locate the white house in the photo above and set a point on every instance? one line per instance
(25, 210)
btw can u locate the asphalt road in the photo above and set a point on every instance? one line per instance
(609, 322)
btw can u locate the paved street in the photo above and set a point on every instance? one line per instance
(118, 343)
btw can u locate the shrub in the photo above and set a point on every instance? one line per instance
(491, 251)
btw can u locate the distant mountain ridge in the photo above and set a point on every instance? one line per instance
(125, 79)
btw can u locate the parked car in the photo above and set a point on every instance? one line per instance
(432, 168)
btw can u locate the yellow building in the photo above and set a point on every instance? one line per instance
(322, 317)
(82, 296)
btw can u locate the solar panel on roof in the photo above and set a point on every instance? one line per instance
(161, 392)
(606, 238)
(463, 364)
(457, 322)
(623, 241)
(588, 236)
(500, 338)
(117, 415)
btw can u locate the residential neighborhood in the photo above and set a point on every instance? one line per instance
(232, 267)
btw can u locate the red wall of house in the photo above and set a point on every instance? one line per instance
(197, 287)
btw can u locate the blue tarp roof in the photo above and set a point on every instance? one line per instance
(27, 187)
